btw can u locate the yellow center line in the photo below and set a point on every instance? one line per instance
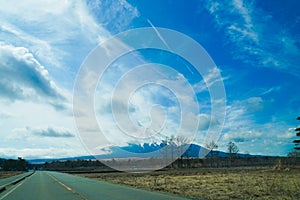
(67, 187)
(62, 184)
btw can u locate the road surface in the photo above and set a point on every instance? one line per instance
(44, 185)
(5, 181)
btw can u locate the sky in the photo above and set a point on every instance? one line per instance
(44, 45)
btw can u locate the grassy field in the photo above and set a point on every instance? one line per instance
(237, 183)
(5, 174)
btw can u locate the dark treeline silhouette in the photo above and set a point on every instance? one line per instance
(184, 163)
(13, 165)
(75, 165)
(183, 155)
(297, 141)
(296, 151)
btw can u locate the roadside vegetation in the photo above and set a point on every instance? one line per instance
(11, 167)
(231, 176)
(6, 174)
(234, 183)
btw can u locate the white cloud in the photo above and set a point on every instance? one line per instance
(52, 132)
(5, 115)
(114, 15)
(241, 127)
(30, 121)
(33, 153)
(289, 134)
(42, 46)
(49, 29)
(23, 77)
(253, 104)
(255, 43)
(155, 101)
(211, 78)
(206, 120)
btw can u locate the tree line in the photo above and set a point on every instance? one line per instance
(13, 165)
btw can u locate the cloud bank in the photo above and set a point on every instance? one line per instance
(52, 132)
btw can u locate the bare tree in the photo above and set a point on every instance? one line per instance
(174, 148)
(211, 146)
(181, 143)
(172, 144)
(232, 150)
(165, 150)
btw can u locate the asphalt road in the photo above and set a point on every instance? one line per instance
(5, 181)
(43, 185)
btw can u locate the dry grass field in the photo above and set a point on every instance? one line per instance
(5, 174)
(232, 183)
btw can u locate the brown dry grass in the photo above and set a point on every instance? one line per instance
(263, 183)
(5, 174)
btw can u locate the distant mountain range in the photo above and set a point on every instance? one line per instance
(192, 151)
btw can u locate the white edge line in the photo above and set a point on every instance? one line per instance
(10, 191)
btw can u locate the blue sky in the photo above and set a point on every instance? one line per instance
(254, 45)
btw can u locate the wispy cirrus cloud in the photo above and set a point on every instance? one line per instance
(248, 29)
(49, 29)
(153, 107)
(243, 128)
(113, 15)
(271, 90)
(212, 77)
